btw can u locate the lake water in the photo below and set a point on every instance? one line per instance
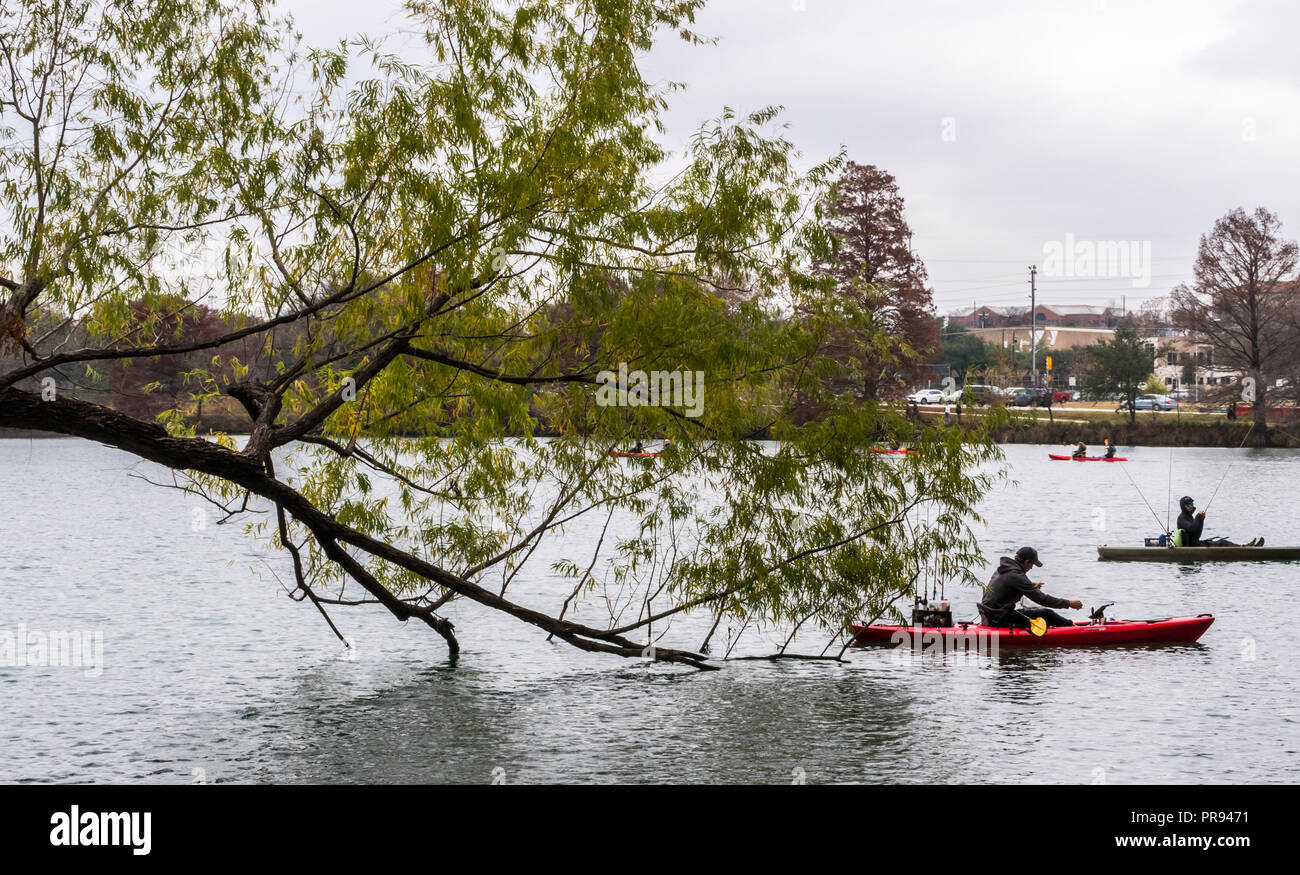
(210, 672)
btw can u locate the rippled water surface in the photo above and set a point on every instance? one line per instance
(210, 672)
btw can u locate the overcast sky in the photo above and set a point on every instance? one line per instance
(1007, 124)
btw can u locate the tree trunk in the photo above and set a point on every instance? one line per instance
(1258, 408)
(1260, 411)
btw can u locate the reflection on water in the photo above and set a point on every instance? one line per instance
(207, 666)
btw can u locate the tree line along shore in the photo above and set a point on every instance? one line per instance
(1161, 430)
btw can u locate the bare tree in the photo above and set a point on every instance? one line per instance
(1244, 301)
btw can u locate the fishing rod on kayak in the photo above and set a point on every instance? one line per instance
(927, 610)
(1169, 488)
(1229, 468)
(1165, 527)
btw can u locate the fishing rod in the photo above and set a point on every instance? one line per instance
(1169, 488)
(1229, 468)
(1144, 499)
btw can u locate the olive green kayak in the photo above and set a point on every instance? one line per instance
(1199, 554)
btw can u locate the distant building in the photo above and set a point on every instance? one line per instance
(1186, 358)
(1049, 337)
(1080, 316)
(989, 317)
(1060, 316)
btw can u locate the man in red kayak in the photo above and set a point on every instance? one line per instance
(1009, 584)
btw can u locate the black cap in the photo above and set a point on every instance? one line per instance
(1030, 554)
(1186, 501)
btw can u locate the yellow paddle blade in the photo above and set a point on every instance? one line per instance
(1038, 627)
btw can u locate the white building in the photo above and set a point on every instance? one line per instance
(1186, 354)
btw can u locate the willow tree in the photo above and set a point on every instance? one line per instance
(434, 248)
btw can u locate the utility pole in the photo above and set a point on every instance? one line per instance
(1033, 323)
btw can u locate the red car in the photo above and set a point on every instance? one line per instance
(1060, 397)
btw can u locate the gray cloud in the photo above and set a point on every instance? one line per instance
(1110, 119)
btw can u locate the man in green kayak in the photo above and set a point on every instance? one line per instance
(1009, 584)
(1190, 524)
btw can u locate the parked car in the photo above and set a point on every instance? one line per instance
(984, 395)
(1031, 398)
(1150, 402)
(926, 396)
(1060, 396)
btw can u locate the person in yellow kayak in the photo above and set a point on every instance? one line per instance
(1009, 584)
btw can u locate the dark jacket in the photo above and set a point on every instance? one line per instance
(1191, 526)
(1005, 589)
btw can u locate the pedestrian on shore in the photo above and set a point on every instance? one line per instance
(947, 414)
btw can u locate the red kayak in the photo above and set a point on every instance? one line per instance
(1086, 458)
(1082, 634)
(622, 455)
(900, 451)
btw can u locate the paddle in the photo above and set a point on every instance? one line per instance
(1038, 627)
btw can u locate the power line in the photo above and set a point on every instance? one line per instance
(969, 261)
(1113, 279)
(1015, 261)
(975, 288)
(1074, 293)
(981, 279)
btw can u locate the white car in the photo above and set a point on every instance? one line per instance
(926, 396)
(1150, 402)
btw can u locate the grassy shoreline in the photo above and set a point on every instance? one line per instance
(1091, 425)
(1067, 425)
